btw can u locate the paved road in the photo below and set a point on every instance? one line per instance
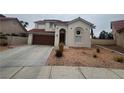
(25, 56)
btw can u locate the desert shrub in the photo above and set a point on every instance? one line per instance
(119, 59)
(59, 53)
(98, 50)
(95, 56)
(61, 47)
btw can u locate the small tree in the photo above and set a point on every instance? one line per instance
(105, 35)
(110, 35)
(94, 37)
(92, 34)
(25, 24)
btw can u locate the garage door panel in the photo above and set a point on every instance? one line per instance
(43, 40)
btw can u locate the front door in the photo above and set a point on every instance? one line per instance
(62, 36)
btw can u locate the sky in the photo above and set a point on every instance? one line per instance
(101, 21)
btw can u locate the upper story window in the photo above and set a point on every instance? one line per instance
(40, 26)
(51, 25)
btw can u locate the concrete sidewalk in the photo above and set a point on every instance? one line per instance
(60, 72)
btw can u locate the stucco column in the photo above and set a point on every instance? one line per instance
(66, 37)
(30, 38)
(56, 42)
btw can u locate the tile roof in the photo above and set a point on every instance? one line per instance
(118, 25)
(51, 20)
(7, 18)
(40, 30)
(37, 30)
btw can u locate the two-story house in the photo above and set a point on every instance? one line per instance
(74, 33)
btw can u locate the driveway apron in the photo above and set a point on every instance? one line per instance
(25, 56)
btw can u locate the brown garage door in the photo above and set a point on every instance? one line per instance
(43, 40)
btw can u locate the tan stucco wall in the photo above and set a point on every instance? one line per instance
(30, 38)
(10, 26)
(14, 40)
(85, 40)
(102, 42)
(70, 35)
(118, 37)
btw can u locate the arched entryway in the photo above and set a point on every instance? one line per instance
(62, 36)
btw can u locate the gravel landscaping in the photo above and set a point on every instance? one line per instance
(86, 57)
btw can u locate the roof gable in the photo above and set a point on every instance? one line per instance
(39, 31)
(82, 20)
(50, 21)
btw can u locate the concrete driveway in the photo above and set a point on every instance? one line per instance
(23, 59)
(25, 56)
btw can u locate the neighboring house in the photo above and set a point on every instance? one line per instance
(11, 27)
(118, 32)
(75, 33)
